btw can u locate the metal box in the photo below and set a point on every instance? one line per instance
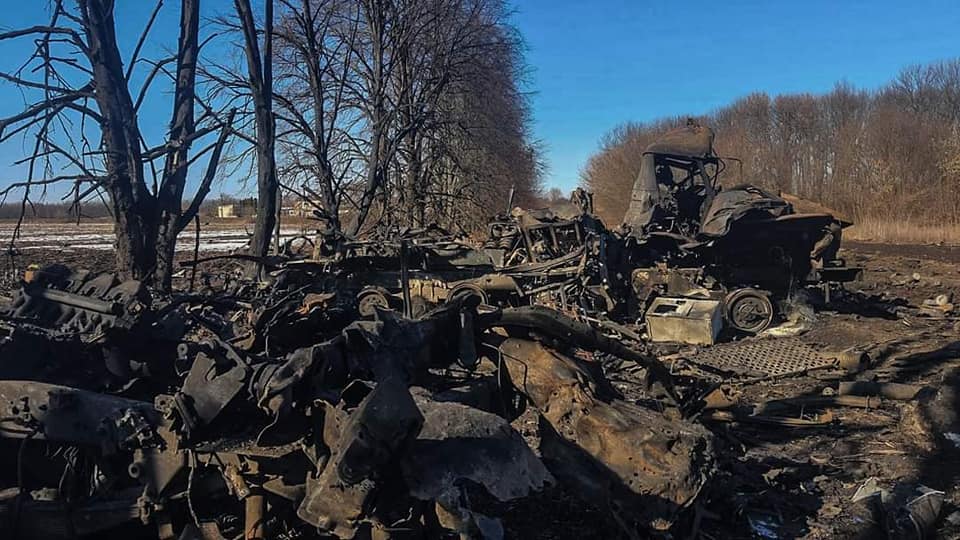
(684, 320)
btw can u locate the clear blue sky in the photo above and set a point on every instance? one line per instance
(596, 64)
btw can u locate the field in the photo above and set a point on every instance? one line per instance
(771, 481)
(216, 235)
(904, 232)
(89, 244)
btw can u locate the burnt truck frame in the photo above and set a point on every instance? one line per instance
(741, 244)
(684, 235)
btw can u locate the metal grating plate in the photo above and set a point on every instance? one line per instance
(762, 358)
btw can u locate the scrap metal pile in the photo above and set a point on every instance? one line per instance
(367, 390)
(279, 410)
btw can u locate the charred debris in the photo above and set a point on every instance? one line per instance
(367, 389)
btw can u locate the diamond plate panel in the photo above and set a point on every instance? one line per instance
(763, 358)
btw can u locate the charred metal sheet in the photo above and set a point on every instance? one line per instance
(70, 415)
(645, 464)
(78, 302)
(384, 423)
(459, 443)
(208, 388)
(762, 358)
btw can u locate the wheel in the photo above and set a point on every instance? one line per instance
(468, 291)
(748, 310)
(370, 299)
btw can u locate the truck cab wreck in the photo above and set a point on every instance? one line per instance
(690, 252)
(742, 247)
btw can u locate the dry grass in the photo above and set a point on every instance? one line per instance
(904, 232)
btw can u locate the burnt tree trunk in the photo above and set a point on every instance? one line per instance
(134, 207)
(328, 196)
(146, 221)
(373, 182)
(261, 87)
(182, 128)
(416, 192)
(376, 114)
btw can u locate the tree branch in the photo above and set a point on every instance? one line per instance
(143, 38)
(209, 175)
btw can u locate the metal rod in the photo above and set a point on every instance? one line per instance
(76, 300)
(196, 250)
(405, 279)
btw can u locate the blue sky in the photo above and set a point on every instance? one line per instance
(596, 64)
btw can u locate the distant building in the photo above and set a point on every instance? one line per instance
(228, 211)
(303, 208)
(242, 208)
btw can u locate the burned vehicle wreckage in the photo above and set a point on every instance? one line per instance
(368, 390)
(193, 415)
(736, 252)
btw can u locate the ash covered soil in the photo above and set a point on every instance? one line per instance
(799, 483)
(787, 482)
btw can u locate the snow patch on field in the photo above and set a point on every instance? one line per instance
(100, 237)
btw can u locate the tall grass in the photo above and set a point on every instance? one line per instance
(895, 231)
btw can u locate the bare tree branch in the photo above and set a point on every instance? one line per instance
(209, 175)
(143, 37)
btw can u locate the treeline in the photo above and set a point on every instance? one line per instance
(402, 112)
(64, 211)
(387, 112)
(888, 154)
(92, 209)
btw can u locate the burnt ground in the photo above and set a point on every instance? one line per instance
(782, 482)
(798, 483)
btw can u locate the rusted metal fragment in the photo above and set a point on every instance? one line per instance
(643, 464)
(821, 420)
(382, 425)
(816, 402)
(553, 324)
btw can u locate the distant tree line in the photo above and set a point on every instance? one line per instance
(60, 211)
(891, 153)
(68, 211)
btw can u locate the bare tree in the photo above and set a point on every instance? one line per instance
(460, 115)
(377, 20)
(260, 79)
(315, 57)
(147, 217)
